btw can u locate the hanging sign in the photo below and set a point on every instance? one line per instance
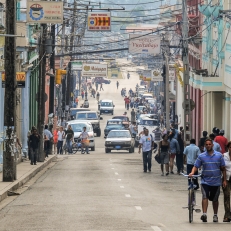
(144, 44)
(44, 12)
(172, 74)
(94, 70)
(20, 78)
(156, 75)
(99, 21)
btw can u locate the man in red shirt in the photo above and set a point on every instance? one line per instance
(220, 139)
(127, 101)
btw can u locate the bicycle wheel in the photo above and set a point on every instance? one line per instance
(74, 148)
(190, 204)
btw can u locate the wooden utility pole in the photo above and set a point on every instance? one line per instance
(70, 86)
(41, 90)
(9, 170)
(186, 88)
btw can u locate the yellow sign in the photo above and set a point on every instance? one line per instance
(145, 78)
(20, 76)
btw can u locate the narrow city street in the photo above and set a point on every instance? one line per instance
(106, 191)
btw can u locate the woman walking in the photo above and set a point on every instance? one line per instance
(226, 190)
(179, 156)
(55, 137)
(174, 149)
(163, 152)
(61, 136)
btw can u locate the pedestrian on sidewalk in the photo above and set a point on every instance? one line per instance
(101, 87)
(34, 144)
(179, 156)
(133, 116)
(222, 141)
(174, 149)
(47, 141)
(55, 138)
(226, 190)
(82, 94)
(61, 136)
(163, 152)
(202, 140)
(191, 153)
(69, 138)
(76, 101)
(29, 133)
(147, 145)
(213, 167)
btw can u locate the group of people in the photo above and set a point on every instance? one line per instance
(212, 156)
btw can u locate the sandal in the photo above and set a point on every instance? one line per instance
(226, 220)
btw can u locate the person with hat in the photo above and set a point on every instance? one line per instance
(222, 141)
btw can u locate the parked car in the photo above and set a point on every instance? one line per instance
(106, 106)
(73, 112)
(93, 117)
(113, 124)
(119, 140)
(77, 127)
(125, 120)
(100, 80)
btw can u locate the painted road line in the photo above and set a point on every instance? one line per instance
(138, 208)
(127, 195)
(156, 228)
(121, 186)
(116, 173)
(119, 179)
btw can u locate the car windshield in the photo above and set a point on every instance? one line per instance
(113, 123)
(91, 116)
(79, 127)
(119, 134)
(123, 118)
(106, 104)
(149, 122)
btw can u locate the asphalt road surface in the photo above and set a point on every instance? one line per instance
(106, 192)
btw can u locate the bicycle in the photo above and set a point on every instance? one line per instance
(191, 197)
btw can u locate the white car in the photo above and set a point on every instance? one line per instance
(119, 140)
(77, 127)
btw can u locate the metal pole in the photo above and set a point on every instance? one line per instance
(186, 88)
(9, 168)
(167, 93)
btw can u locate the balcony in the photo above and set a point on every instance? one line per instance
(204, 82)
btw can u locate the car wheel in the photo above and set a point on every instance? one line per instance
(93, 148)
(99, 133)
(133, 149)
(112, 112)
(130, 150)
(100, 113)
(106, 150)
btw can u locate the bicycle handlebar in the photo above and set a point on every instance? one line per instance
(192, 175)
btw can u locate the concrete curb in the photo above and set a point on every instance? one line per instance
(18, 183)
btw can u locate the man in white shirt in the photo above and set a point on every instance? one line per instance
(147, 144)
(84, 135)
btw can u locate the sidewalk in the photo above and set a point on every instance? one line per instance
(25, 172)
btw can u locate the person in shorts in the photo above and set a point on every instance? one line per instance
(213, 164)
(164, 147)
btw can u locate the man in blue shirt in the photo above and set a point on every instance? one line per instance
(191, 152)
(213, 164)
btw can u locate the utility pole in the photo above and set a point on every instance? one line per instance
(69, 87)
(186, 87)
(41, 90)
(9, 168)
(167, 93)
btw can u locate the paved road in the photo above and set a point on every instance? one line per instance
(105, 192)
